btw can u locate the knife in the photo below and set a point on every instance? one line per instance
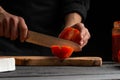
(47, 41)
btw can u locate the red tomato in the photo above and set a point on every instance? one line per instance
(67, 33)
(76, 36)
(62, 52)
(71, 34)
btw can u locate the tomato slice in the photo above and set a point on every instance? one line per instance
(62, 52)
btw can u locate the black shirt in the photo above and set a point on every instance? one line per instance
(45, 16)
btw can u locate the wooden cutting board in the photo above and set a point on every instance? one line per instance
(54, 61)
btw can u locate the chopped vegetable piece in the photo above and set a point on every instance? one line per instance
(62, 52)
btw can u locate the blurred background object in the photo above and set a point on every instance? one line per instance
(100, 23)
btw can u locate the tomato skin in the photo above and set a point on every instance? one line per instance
(71, 34)
(76, 36)
(67, 33)
(62, 52)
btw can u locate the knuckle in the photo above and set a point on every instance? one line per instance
(6, 18)
(15, 18)
(21, 19)
(24, 28)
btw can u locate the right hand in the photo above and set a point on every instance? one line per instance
(12, 26)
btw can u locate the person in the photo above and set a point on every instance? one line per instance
(48, 17)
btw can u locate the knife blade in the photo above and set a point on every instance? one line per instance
(47, 41)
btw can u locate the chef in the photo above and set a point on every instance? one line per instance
(49, 17)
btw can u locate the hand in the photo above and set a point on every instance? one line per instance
(77, 33)
(74, 20)
(12, 26)
(84, 34)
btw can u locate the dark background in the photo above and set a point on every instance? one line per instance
(99, 21)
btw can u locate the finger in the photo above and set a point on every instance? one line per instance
(6, 27)
(1, 29)
(84, 43)
(23, 29)
(85, 39)
(14, 28)
(86, 33)
(81, 28)
(82, 36)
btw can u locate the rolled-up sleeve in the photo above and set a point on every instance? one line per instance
(79, 6)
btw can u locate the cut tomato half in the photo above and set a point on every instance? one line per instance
(62, 52)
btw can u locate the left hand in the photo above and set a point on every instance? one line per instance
(75, 20)
(77, 33)
(84, 34)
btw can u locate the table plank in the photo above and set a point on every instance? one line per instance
(106, 71)
(77, 77)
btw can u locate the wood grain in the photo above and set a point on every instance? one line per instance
(54, 61)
